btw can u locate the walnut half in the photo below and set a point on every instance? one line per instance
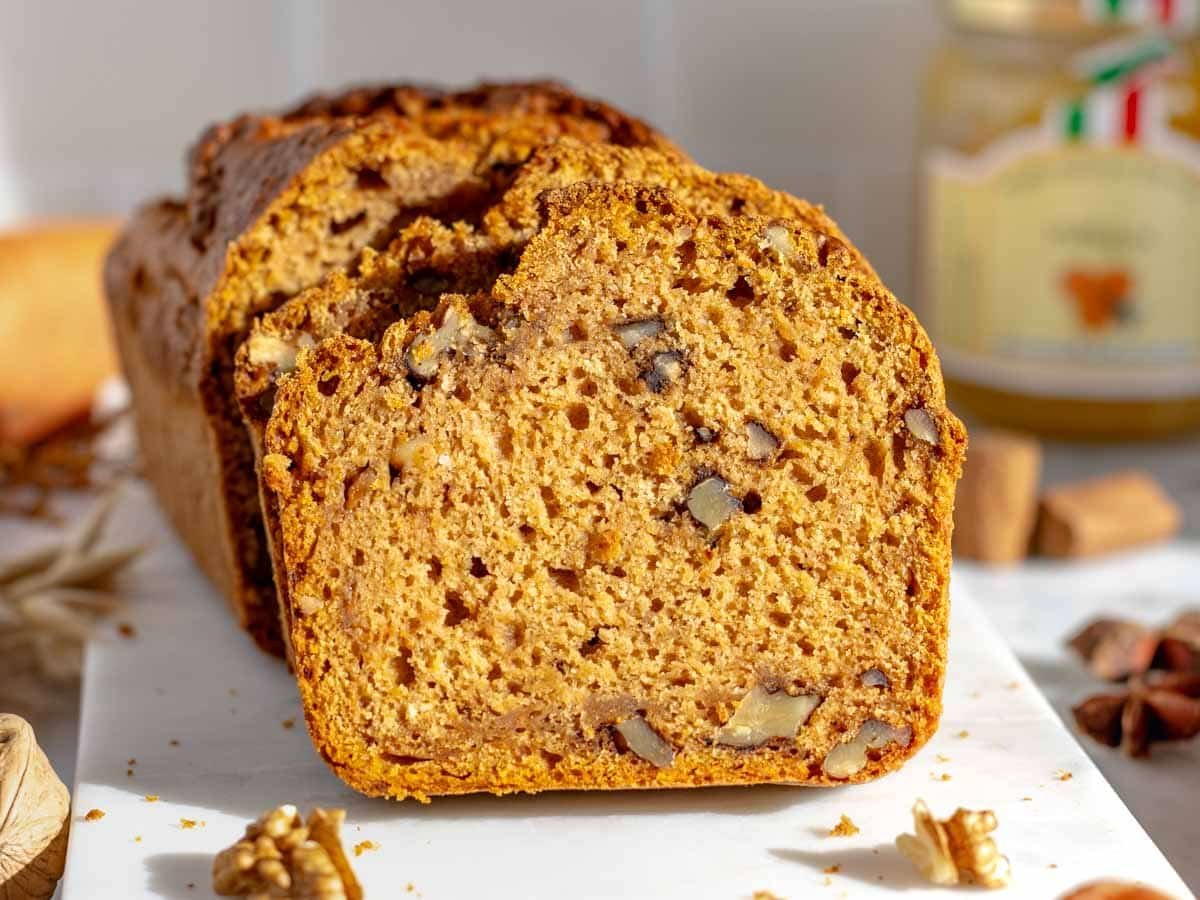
(281, 855)
(34, 815)
(958, 849)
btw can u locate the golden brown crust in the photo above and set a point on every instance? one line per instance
(450, 541)
(273, 204)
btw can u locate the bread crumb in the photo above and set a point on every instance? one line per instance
(1063, 775)
(844, 828)
(173, 742)
(289, 724)
(1013, 685)
(1052, 866)
(964, 733)
(129, 772)
(151, 798)
(942, 758)
(944, 776)
(94, 815)
(832, 870)
(409, 888)
(766, 895)
(363, 846)
(188, 824)
(126, 630)
(137, 838)
(1027, 799)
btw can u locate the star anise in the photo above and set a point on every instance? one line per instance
(1161, 706)
(1117, 649)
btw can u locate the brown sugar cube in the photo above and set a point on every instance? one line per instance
(996, 505)
(1105, 514)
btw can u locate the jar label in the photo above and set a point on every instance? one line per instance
(1067, 268)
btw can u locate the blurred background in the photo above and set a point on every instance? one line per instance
(98, 101)
(1024, 173)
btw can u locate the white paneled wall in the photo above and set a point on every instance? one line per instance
(99, 99)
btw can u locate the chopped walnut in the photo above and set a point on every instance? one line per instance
(850, 757)
(922, 426)
(760, 443)
(875, 678)
(777, 238)
(283, 856)
(633, 333)
(639, 738)
(270, 350)
(458, 331)
(762, 715)
(711, 504)
(957, 849)
(665, 369)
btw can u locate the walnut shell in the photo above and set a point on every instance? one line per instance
(34, 815)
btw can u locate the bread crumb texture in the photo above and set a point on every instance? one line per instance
(650, 510)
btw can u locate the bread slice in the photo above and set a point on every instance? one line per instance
(275, 203)
(430, 259)
(669, 505)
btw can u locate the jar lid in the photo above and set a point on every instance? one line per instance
(1075, 16)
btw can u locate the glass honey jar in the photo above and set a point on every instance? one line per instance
(1060, 209)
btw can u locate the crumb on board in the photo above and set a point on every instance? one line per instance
(1027, 799)
(963, 734)
(1013, 685)
(409, 887)
(1063, 775)
(137, 838)
(151, 798)
(188, 824)
(125, 630)
(363, 846)
(1052, 866)
(944, 776)
(289, 724)
(844, 828)
(173, 742)
(758, 895)
(832, 870)
(129, 772)
(942, 758)
(94, 815)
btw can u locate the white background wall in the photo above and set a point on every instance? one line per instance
(98, 98)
